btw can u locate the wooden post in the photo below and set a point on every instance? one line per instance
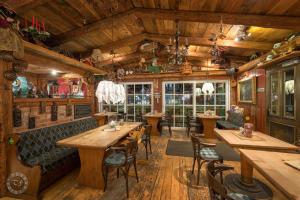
(6, 127)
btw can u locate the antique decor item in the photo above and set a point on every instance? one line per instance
(17, 116)
(54, 108)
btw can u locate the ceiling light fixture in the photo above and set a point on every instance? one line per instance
(54, 72)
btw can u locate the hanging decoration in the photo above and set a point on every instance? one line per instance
(36, 30)
(110, 92)
(176, 52)
(186, 68)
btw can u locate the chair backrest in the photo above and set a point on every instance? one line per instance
(132, 147)
(139, 117)
(236, 118)
(147, 132)
(196, 144)
(216, 188)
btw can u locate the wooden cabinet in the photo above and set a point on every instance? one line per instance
(283, 94)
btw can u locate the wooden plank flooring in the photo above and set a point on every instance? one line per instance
(161, 177)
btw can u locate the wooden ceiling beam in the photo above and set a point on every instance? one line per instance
(118, 59)
(23, 6)
(268, 21)
(100, 24)
(82, 7)
(198, 41)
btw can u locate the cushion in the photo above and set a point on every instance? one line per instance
(117, 158)
(209, 154)
(226, 125)
(46, 160)
(236, 118)
(237, 196)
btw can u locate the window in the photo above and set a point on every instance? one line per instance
(183, 98)
(138, 100)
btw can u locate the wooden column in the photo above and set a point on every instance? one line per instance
(5, 121)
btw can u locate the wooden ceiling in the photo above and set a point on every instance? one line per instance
(82, 25)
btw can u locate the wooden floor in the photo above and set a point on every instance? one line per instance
(161, 177)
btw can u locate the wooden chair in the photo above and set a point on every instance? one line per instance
(146, 139)
(121, 157)
(192, 122)
(122, 115)
(216, 188)
(203, 153)
(166, 121)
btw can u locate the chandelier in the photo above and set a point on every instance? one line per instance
(110, 92)
(176, 52)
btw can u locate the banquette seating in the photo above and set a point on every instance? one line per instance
(38, 148)
(235, 120)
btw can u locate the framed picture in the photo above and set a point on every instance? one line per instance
(247, 90)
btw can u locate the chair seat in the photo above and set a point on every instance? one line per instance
(237, 196)
(115, 159)
(209, 154)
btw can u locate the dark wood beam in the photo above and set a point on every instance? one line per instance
(268, 21)
(118, 59)
(81, 6)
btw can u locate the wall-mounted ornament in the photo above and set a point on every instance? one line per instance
(31, 121)
(54, 109)
(43, 105)
(69, 110)
(90, 78)
(17, 117)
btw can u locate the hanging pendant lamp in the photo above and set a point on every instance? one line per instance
(208, 87)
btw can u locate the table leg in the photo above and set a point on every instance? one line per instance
(208, 128)
(246, 184)
(153, 121)
(91, 168)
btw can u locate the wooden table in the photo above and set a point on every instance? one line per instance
(91, 146)
(272, 167)
(102, 117)
(153, 119)
(209, 123)
(245, 183)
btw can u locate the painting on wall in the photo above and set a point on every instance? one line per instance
(247, 90)
(20, 87)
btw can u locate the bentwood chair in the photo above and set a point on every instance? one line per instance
(121, 158)
(146, 139)
(203, 152)
(217, 189)
(192, 122)
(166, 121)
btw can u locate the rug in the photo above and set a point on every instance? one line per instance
(185, 149)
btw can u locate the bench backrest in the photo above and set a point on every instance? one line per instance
(235, 118)
(33, 143)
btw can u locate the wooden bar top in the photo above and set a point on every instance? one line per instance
(201, 115)
(271, 165)
(158, 114)
(98, 138)
(259, 141)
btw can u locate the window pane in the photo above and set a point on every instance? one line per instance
(178, 110)
(221, 111)
(220, 88)
(130, 89)
(179, 88)
(200, 109)
(211, 108)
(138, 89)
(178, 99)
(147, 109)
(130, 99)
(188, 99)
(188, 88)
(188, 110)
(275, 94)
(169, 88)
(221, 99)
(138, 110)
(113, 108)
(147, 89)
(130, 110)
(289, 93)
(200, 100)
(179, 121)
(210, 99)
(169, 109)
(169, 99)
